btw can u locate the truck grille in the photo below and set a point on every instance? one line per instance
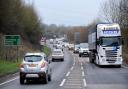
(111, 56)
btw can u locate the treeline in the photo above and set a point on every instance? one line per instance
(77, 34)
(16, 17)
(52, 31)
(116, 11)
(19, 18)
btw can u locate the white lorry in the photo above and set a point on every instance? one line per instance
(105, 44)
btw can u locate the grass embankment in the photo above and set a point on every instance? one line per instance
(7, 67)
(47, 50)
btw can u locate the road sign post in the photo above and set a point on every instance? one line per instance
(42, 43)
(12, 40)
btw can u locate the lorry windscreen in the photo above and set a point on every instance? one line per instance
(111, 41)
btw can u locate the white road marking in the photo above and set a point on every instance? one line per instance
(72, 68)
(84, 81)
(83, 73)
(81, 64)
(82, 68)
(62, 83)
(9, 80)
(68, 74)
(73, 63)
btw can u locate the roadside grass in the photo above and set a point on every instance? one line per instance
(10, 67)
(47, 50)
(7, 67)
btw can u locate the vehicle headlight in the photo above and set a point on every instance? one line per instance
(103, 60)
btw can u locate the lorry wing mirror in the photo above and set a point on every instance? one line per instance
(98, 42)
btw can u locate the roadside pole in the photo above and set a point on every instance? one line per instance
(12, 40)
(42, 44)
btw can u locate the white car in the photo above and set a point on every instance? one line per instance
(71, 46)
(76, 48)
(51, 41)
(57, 54)
(35, 66)
(83, 49)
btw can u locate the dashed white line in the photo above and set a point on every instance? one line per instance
(72, 68)
(84, 81)
(68, 74)
(73, 63)
(81, 64)
(9, 80)
(62, 83)
(83, 73)
(82, 68)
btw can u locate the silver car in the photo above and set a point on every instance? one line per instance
(57, 54)
(35, 66)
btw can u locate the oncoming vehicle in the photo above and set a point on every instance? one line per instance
(70, 46)
(76, 48)
(35, 66)
(83, 49)
(57, 54)
(105, 44)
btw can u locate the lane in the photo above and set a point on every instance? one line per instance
(59, 70)
(74, 78)
(105, 77)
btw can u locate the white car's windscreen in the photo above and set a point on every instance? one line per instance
(32, 58)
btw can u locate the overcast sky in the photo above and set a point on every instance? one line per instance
(67, 12)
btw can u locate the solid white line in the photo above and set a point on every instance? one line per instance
(62, 83)
(72, 68)
(9, 80)
(83, 73)
(67, 74)
(84, 81)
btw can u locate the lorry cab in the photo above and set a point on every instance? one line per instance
(107, 42)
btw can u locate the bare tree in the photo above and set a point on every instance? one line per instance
(123, 18)
(110, 10)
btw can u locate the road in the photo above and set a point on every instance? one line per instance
(77, 73)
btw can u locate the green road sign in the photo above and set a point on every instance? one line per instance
(12, 40)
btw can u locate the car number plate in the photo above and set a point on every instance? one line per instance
(32, 65)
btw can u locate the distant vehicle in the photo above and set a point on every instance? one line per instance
(59, 46)
(51, 41)
(105, 44)
(71, 46)
(76, 48)
(66, 44)
(83, 49)
(35, 66)
(57, 54)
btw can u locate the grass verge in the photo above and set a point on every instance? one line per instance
(47, 50)
(7, 67)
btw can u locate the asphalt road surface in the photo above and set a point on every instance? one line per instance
(76, 73)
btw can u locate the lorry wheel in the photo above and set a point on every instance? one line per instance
(118, 66)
